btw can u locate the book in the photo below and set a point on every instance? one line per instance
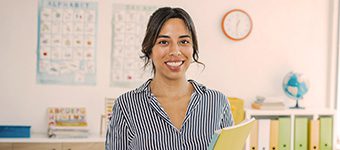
(268, 103)
(233, 137)
(326, 134)
(253, 137)
(67, 122)
(269, 106)
(284, 133)
(301, 133)
(314, 134)
(67, 116)
(274, 134)
(264, 134)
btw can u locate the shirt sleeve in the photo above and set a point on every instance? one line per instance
(118, 130)
(227, 117)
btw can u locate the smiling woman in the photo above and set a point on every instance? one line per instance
(171, 54)
(168, 111)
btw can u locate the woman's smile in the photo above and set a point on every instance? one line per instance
(174, 65)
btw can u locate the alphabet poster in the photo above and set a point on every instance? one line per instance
(128, 29)
(66, 52)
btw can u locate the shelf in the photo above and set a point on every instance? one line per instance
(293, 114)
(288, 112)
(42, 138)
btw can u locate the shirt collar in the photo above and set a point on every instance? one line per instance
(145, 87)
(199, 88)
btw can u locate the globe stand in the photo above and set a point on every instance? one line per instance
(297, 105)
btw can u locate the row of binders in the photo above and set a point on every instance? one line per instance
(307, 134)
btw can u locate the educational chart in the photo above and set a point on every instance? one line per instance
(67, 42)
(128, 29)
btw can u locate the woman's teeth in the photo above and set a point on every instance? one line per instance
(174, 64)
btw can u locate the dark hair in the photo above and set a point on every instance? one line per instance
(156, 21)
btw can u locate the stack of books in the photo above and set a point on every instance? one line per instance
(67, 123)
(263, 103)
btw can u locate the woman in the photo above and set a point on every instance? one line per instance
(168, 111)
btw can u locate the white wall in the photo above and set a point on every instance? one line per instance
(287, 35)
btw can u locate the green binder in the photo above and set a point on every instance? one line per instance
(284, 133)
(301, 133)
(326, 134)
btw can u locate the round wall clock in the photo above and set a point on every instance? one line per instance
(237, 24)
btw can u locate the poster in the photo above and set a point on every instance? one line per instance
(66, 52)
(128, 29)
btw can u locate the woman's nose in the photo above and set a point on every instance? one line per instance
(175, 53)
(175, 50)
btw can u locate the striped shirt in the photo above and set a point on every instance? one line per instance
(139, 122)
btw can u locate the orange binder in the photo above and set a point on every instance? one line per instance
(274, 134)
(313, 132)
(253, 137)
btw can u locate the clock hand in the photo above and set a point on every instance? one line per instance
(237, 24)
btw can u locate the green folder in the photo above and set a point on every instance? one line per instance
(326, 134)
(301, 133)
(284, 133)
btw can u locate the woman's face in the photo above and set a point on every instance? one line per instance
(172, 53)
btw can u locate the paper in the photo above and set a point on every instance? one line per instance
(67, 42)
(128, 29)
(232, 138)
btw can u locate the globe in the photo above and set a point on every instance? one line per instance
(295, 86)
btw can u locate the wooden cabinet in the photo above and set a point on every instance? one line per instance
(42, 142)
(36, 146)
(53, 146)
(5, 146)
(83, 146)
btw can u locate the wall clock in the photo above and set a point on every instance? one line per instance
(237, 24)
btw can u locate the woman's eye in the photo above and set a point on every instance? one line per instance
(163, 42)
(184, 42)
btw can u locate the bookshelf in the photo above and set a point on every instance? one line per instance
(310, 114)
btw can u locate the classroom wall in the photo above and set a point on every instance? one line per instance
(287, 35)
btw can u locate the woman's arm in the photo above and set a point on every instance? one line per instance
(227, 118)
(118, 130)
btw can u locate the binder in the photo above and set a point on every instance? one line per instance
(313, 132)
(253, 137)
(326, 127)
(233, 137)
(274, 134)
(284, 133)
(263, 134)
(301, 133)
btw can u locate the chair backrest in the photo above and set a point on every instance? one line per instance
(237, 109)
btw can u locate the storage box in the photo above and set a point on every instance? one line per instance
(15, 131)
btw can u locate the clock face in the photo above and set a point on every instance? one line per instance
(236, 24)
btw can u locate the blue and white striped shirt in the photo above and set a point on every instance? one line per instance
(139, 122)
